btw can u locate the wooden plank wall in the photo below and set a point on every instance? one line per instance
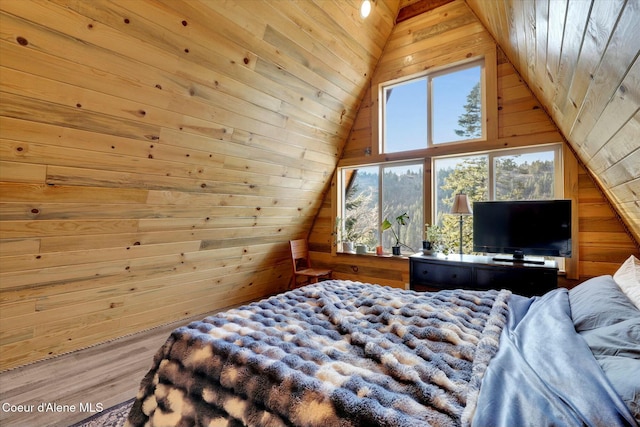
(157, 156)
(603, 241)
(581, 58)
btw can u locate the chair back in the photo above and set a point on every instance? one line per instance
(300, 254)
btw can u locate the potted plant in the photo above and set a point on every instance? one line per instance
(346, 235)
(432, 235)
(387, 225)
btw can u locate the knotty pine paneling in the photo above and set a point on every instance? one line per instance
(603, 239)
(157, 156)
(169, 148)
(581, 60)
(603, 242)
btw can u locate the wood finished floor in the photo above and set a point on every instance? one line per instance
(105, 374)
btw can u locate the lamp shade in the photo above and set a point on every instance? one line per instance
(461, 205)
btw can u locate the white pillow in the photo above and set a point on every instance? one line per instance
(628, 278)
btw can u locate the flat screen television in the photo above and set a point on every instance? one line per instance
(521, 228)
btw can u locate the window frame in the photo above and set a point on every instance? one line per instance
(429, 76)
(558, 173)
(340, 185)
(429, 189)
(558, 184)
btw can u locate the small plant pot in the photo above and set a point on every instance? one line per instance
(395, 250)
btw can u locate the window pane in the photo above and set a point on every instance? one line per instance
(525, 176)
(468, 175)
(457, 106)
(361, 197)
(405, 116)
(402, 191)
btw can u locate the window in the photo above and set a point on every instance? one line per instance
(369, 194)
(520, 174)
(405, 116)
(525, 176)
(432, 109)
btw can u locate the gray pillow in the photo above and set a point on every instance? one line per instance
(616, 347)
(600, 302)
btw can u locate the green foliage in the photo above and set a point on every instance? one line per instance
(361, 216)
(470, 178)
(523, 181)
(400, 220)
(470, 121)
(403, 192)
(432, 233)
(513, 181)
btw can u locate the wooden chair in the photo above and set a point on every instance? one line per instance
(302, 264)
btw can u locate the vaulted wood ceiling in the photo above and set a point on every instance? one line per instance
(580, 58)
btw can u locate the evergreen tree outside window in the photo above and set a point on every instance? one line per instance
(361, 205)
(371, 193)
(454, 175)
(525, 176)
(457, 106)
(437, 108)
(520, 174)
(402, 191)
(470, 121)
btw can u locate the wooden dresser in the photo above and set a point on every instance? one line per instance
(432, 273)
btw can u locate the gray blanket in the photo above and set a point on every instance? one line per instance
(336, 353)
(544, 373)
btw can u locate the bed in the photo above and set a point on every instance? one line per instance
(341, 353)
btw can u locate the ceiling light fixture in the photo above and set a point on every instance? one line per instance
(365, 8)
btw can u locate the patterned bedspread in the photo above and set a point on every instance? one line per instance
(336, 353)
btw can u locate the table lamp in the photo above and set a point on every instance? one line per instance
(461, 207)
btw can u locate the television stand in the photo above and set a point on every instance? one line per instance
(436, 272)
(527, 260)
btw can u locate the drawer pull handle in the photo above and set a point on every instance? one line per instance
(425, 271)
(453, 276)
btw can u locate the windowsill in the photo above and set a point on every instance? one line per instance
(373, 255)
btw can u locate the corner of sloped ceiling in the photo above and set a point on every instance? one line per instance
(587, 78)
